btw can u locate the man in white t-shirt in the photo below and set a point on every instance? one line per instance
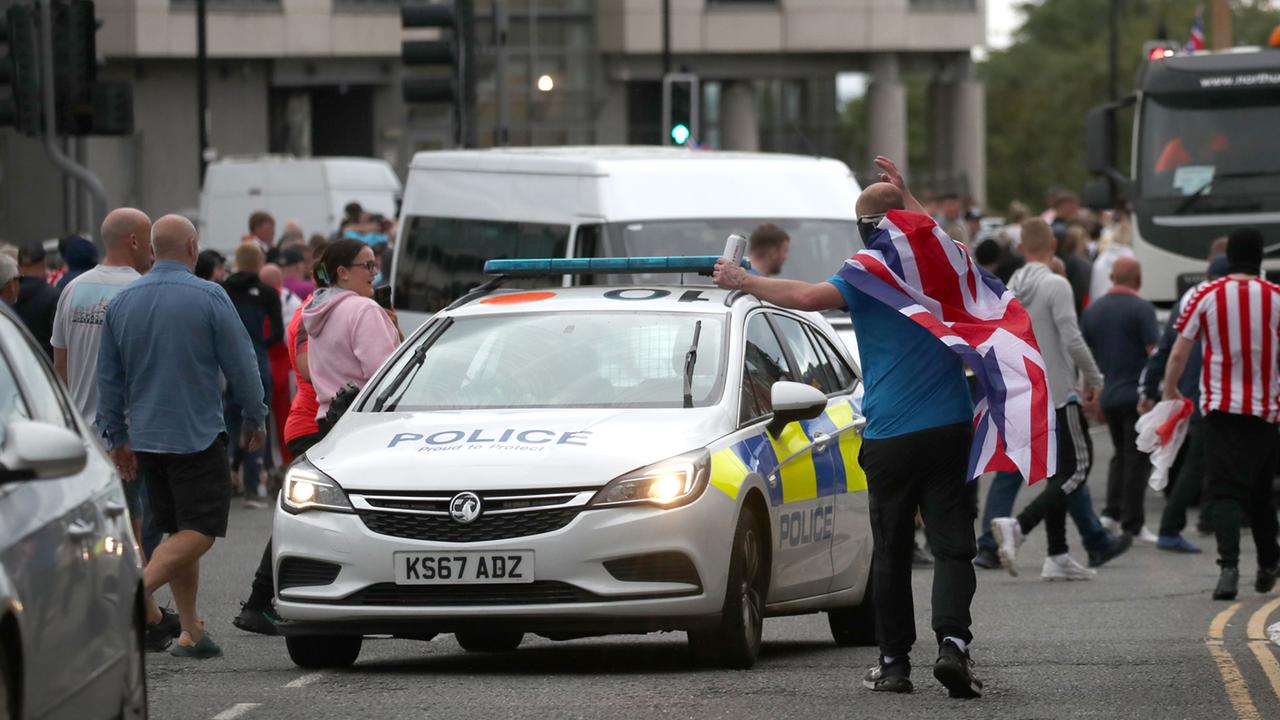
(77, 324)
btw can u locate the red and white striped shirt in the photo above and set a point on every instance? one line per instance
(1237, 322)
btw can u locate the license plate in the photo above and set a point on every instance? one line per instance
(457, 568)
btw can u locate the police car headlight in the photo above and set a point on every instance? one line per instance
(670, 483)
(306, 488)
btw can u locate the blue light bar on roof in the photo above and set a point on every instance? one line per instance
(585, 266)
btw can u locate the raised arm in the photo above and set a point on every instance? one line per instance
(891, 175)
(793, 294)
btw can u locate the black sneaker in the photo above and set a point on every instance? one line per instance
(894, 678)
(1228, 583)
(157, 637)
(1119, 545)
(257, 620)
(986, 559)
(1266, 579)
(170, 622)
(954, 670)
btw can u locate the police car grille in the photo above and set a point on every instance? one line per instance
(442, 528)
(542, 592)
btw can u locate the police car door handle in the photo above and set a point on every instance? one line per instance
(113, 509)
(821, 441)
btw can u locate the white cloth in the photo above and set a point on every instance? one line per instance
(1160, 434)
(1100, 283)
(77, 328)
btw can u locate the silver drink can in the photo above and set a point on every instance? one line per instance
(734, 248)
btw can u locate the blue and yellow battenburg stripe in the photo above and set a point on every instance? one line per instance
(829, 471)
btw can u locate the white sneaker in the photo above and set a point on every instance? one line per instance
(254, 504)
(1065, 567)
(1008, 536)
(1110, 524)
(1146, 537)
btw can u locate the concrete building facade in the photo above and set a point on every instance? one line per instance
(322, 77)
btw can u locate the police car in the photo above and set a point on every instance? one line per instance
(578, 461)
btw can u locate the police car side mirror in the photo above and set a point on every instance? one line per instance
(792, 402)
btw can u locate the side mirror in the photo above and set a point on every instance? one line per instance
(794, 401)
(1100, 139)
(40, 451)
(1098, 194)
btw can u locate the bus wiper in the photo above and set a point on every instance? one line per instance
(1194, 197)
(409, 370)
(691, 359)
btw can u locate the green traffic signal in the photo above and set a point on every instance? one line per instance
(680, 133)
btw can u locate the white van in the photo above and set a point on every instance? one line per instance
(462, 207)
(312, 191)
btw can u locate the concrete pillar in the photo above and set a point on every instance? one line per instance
(969, 128)
(939, 125)
(739, 119)
(886, 112)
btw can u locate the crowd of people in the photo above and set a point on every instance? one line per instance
(190, 424)
(275, 332)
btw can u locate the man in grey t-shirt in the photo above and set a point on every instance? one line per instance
(77, 324)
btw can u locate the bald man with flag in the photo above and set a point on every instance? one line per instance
(922, 310)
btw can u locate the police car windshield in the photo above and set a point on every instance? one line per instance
(564, 360)
(817, 246)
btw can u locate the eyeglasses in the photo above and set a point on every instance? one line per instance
(371, 266)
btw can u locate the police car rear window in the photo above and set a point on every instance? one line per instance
(564, 360)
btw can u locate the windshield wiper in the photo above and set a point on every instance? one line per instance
(408, 371)
(1199, 193)
(691, 359)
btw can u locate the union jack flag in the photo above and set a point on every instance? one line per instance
(911, 265)
(1195, 36)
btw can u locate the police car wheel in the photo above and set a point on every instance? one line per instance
(489, 642)
(854, 626)
(316, 652)
(735, 641)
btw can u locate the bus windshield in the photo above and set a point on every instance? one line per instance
(1209, 144)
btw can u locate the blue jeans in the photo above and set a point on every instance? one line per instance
(1004, 491)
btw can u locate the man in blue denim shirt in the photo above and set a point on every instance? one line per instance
(166, 338)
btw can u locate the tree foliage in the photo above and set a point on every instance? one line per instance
(1041, 86)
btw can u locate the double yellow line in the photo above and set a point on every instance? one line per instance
(1237, 690)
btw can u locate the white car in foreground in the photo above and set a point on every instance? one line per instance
(584, 461)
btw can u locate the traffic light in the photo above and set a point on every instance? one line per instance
(448, 63)
(85, 105)
(679, 108)
(20, 71)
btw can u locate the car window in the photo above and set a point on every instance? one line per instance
(34, 377)
(811, 366)
(835, 364)
(443, 258)
(12, 406)
(563, 359)
(764, 364)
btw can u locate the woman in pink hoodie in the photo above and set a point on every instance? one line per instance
(349, 334)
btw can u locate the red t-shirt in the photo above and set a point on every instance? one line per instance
(302, 413)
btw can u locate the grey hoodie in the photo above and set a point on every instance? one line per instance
(1048, 300)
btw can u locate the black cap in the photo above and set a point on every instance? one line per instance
(1244, 251)
(32, 252)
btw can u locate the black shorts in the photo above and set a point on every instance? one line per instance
(189, 492)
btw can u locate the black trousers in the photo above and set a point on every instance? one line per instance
(925, 470)
(1128, 472)
(1241, 453)
(1075, 458)
(263, 591)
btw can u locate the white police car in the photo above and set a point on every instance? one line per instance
(584, 461)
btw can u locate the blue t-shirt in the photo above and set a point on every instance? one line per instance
(912, 381)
